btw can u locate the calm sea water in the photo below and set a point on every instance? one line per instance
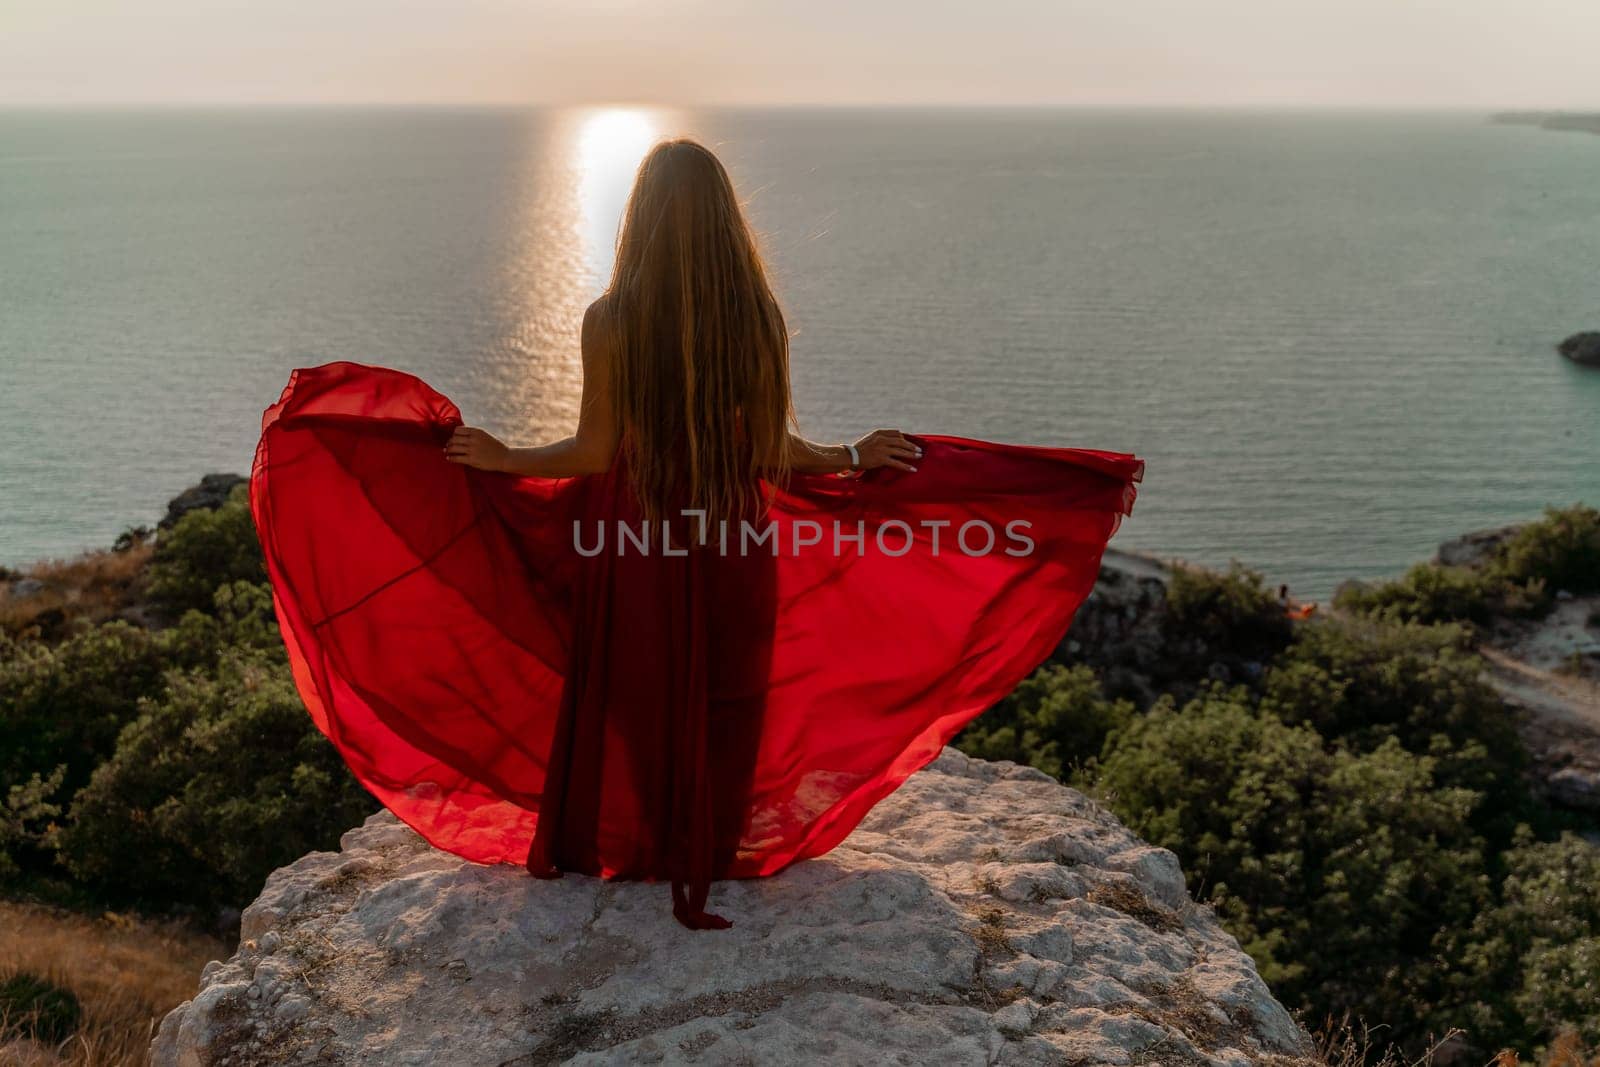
(1329, 335)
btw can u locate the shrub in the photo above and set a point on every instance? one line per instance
(27, 818)
(1361, 683)
(1232, 610)
(218, 781)
(1336, 870)
(1429, 592)
(31, 1006)
(241, 617)
(1530, 964)
(64, 705)
(205, 549)
(1520, 576)
(1562, 549)
(1055, 720)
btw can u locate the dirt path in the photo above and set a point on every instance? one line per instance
(1571, 699)
(1549, 666)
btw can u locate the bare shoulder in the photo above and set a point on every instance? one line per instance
(596, 341)
(597, 323)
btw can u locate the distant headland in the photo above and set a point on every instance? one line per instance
(1586, 121)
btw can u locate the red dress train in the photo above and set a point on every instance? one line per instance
(503, 666)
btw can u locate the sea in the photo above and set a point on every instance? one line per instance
(1331, 335)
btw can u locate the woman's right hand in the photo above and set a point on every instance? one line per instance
(887, 448)
(472, 447)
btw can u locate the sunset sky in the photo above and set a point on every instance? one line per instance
(1405, 53)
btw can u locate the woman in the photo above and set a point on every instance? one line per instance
(675, 645)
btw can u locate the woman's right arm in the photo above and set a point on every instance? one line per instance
(589, 451)
(880, 448)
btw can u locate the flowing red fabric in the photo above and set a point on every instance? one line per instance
(519, 692)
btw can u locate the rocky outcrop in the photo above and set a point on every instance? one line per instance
(1126, 631)
(1582, 348)
(1475, 548)
(210, 493)
(983, 913)
(1119, 629)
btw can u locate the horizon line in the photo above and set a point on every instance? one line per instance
(642, 105)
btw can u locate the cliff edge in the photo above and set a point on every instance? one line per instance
(983, 913)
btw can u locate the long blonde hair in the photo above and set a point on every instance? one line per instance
(700, 378)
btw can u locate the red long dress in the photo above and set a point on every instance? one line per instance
(519, 692)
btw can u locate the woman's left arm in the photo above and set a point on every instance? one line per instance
(589, 451)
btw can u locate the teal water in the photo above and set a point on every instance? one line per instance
(1329, 335)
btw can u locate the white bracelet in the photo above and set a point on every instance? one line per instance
(855, 457)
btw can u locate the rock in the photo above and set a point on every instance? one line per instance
(983, 913)
(23, 588)
(1472, 549)
(211, 493)
(1118, 629)
(1582, 348)
(1575, 787)
(1126, 632)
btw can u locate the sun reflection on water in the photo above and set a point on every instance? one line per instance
(577, 169)
(610, 144)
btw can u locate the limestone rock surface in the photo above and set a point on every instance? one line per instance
(981, 914)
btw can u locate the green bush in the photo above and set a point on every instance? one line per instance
(1336, 870)
(31, 1006)
(1519, 577)
(1056, 720)
(1530, 965)
(1232, 610)
(27, 819)
(203, 550)
(77, 717)
(1363, 683)
(219, 780)
(168, 767)
(1562, 550)
(65, 704)
(1429, 592)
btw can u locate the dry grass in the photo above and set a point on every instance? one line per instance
(1345, 1043)
(1120, 896)
(991, 932)
(126, 973)
(93, 586)
(1565, 1051)
(1183, 1008)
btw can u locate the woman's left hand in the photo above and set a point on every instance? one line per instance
(473, 447)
